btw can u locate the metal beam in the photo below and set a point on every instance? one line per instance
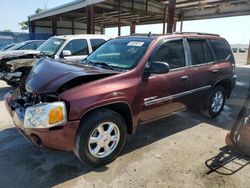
(90, 19)
(119, 17)
(248, 55)
(54, 25)
(132, 28)
(164, 20)
(171, 13)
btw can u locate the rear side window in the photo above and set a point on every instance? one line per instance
(200, 51)
(220, 49)
(96, 43)
(30, 46)
(171, 52)
(77, 47)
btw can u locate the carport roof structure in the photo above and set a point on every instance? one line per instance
(112, 13)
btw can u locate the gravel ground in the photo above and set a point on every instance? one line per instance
(171, 152)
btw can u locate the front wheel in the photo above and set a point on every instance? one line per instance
(215, 102)
(100, 138)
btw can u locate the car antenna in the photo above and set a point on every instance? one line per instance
(149, 34)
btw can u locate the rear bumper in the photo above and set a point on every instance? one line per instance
(59, 138)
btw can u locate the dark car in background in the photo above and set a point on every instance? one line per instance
(27, 45)
(90, 108)
(7, 47)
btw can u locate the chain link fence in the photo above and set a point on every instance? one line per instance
(16, 37)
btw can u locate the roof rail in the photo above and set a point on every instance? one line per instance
(197, 33)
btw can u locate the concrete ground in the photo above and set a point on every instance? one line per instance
(171, 152)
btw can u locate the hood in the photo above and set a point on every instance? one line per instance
(17, 53)
(48, 76)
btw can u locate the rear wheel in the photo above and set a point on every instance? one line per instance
(215, 102)
(100, 138)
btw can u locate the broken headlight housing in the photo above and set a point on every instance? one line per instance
(45, 115)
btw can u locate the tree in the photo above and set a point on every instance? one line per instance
(6, 30)
(25, 24)
(39, 10)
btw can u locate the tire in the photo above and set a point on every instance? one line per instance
(105, 119)
(214, 107)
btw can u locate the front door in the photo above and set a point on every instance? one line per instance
(165, 93)
(79, 50)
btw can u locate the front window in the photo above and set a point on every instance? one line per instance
(51, 46)
(123, 53)
(77, 47)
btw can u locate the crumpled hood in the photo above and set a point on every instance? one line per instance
(17, 53)
(47, 76)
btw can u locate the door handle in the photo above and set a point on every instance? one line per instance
(184, 78)
(215, 71)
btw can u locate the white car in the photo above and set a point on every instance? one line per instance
(72, 47)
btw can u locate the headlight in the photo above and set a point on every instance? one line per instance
(45, 115)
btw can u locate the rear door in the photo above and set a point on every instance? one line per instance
(224, 59)
(203, 68)
(162, 94)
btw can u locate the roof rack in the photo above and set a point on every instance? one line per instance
(197, 33)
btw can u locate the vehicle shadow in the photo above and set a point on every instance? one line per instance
(25, 165)
(3, 91)
(227, 162)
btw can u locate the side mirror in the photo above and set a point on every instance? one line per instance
(156, 67)
(66, 53)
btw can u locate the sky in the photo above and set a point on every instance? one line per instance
(235, 29)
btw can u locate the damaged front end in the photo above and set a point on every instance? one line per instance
(40, 114)
(42, 119)
(14, 64)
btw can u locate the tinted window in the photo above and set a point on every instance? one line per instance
(96, 43)
(123, 53)
(30, 46)
(171, 52)
(77, 47)
(200, 52)
(220, 49)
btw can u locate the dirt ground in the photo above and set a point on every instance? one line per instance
(171, 152)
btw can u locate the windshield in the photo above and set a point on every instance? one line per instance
(17, 46)
(51, 46)
(123, 53)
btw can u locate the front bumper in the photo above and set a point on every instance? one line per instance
(60, 138)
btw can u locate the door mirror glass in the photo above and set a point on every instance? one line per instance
(157, 67)
(66, 53)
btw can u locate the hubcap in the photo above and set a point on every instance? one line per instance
(104, 139)
(217, 101)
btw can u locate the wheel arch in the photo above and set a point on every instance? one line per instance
(226, 84)
(121, 107)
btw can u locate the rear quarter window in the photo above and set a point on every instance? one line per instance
(96, 43)
(220, 49)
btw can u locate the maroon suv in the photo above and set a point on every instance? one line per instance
(90, 108)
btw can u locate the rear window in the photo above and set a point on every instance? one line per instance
(220, 49)
(96, 43)
(200, 51)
